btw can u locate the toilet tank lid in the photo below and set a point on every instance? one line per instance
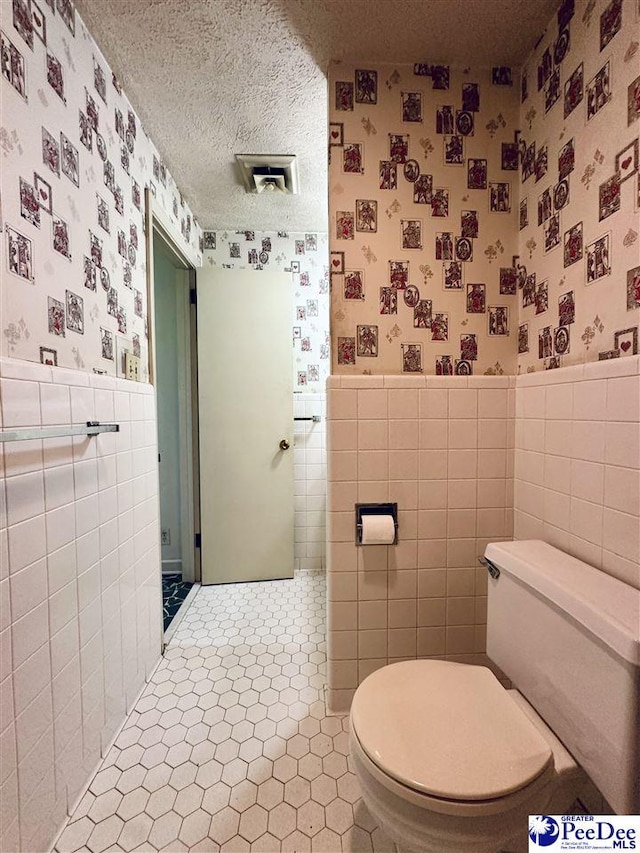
(604, 605)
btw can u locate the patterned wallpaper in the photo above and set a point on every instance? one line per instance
(423, 186)
(470, 237)
(579, 197)
(304, 256)
(76, 162)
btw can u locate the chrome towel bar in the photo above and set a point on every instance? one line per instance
(28, 433)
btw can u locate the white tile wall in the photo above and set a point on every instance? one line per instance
(577, 463)
(442, 448)
(80, 609)
(310, 482)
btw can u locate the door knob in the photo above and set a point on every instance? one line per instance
(284, 444)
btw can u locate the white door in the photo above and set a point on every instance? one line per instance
(245, 395)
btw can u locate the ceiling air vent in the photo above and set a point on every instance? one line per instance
(269, 173)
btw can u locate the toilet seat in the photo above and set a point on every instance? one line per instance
(448, 732)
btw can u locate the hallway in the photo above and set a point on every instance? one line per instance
(229, 748)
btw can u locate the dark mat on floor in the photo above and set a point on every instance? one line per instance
(174, 592)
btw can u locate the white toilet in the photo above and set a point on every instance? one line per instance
(449, 761)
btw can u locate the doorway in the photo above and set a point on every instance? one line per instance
(174, 373)
(303, 259)
(234, 412)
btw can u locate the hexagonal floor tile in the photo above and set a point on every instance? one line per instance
(224, 825)
(216, 798)
(253, 822)
(161, 801)
(309, 767)
(183, 775)
(282, 820)
(227, 751)
(235, 771)
(237, 844)
(349, 788)
(321, 745)
(334, 765)
(75, 835)
(297, 746)
(131, 779)
(133, 803)
(310, 818)
(231, 737)
(195, 827)
(178, 754)
(105, 805)
(105, 834)
(104, 780)
(270, 793)
(243, 795)
(324, 789)
(157, 777)
(326, 841)
(203, 753)
(165, 830)
(297, 791)
(260, 769)
(297, 842)
(338, 815)
(135, 832)
(188, 800)
(285, 768)
(355, 840)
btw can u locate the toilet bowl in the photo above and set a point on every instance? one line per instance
(450, 761)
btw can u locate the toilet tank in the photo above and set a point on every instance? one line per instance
(568, 637)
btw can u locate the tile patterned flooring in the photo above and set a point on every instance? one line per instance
(230, 747)
(174, 592)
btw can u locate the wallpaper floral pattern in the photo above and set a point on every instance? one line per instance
(76, 162)
(579, 266)
(423, 216)
(305, 257)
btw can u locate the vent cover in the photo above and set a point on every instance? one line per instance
(269, 173)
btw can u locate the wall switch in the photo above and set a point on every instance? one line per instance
(165, 536)
(132, 367)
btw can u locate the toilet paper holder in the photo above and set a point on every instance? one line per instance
(376, 509)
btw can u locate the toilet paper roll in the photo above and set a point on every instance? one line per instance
(378, 530)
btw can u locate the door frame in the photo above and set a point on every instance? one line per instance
(159, 228)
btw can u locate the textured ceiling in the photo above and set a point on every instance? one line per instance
(211, 78)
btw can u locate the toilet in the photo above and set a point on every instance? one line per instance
(450, 761)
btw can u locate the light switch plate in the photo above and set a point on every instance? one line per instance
(132, 367)
(123, 346)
